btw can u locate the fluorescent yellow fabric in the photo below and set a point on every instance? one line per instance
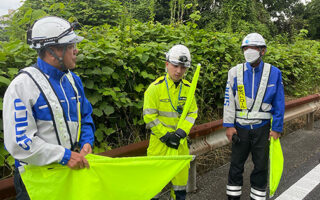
(157, 148)
(158, 113)
(135, 178)
(161, 118)
(276, 165)
(190, 97)
(187, 106)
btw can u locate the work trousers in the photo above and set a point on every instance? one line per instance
(179, 182)
(256, 142)
(21, 191)
(175, 195)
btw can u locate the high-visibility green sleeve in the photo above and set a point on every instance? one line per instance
(151, 112)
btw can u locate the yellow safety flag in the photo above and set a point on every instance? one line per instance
(276, 165)
(187, 105)
(134, 178)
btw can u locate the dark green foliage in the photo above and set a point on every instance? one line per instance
(90, 12)
(3, 35)
(121, 56)
(236, 16)
(117, 65)
(313, 18)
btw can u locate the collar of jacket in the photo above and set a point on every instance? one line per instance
(256, 69)
(171, 83)
(50, 70)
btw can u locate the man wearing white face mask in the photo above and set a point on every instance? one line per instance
(254, 95)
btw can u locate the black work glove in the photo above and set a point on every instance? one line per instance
(172, 139)
(180, 133)
(169, 140)
(165, 138)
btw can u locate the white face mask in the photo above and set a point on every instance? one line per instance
(251, 55)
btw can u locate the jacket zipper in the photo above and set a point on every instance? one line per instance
(252, 90)
(65, 96)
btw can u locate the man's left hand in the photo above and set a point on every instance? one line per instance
(274, 134)
(86, 149)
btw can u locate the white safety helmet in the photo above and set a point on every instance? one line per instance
(51, 30)
(253, 39)
(179, 55)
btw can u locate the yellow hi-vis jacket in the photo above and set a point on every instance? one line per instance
(160, 116)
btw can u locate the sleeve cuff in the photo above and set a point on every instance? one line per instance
(277, 130)
(66, 157)
(228, 125)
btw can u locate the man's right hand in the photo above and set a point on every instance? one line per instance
(77, 161)
(229, 133)
(171, 140)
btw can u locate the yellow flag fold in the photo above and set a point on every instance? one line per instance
(134, 178)
(276, 165)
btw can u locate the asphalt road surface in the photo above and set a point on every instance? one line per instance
(300, 178)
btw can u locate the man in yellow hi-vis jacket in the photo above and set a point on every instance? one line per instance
(163, 104)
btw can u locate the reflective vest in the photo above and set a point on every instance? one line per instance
(255, 111)
(59, 120)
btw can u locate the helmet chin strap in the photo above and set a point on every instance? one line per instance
(60, 59)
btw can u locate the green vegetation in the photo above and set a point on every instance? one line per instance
(124, 46)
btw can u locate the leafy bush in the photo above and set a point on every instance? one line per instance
(117, 64)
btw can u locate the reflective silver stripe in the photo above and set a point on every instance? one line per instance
(253, 196)
(258, 195)
(233, 190)
(190, 119)
(54, 103)
(71, 80)
(153, 123)
(257, 192)
(161, 113)
(232, 193)
(255, 114)
(196, 112)
(233, 187)
(150, 111)
(156, 122)
(169, 126)
(240, 74)
(179, 187)
(262, 87)
(169, 114)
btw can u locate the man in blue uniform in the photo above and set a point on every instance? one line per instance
(45, 111)
(253, 112)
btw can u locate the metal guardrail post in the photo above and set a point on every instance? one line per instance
(192, 181)
(310, 121)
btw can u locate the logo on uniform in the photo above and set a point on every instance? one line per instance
(165, 100)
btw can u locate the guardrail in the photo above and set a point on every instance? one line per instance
(205, 137)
